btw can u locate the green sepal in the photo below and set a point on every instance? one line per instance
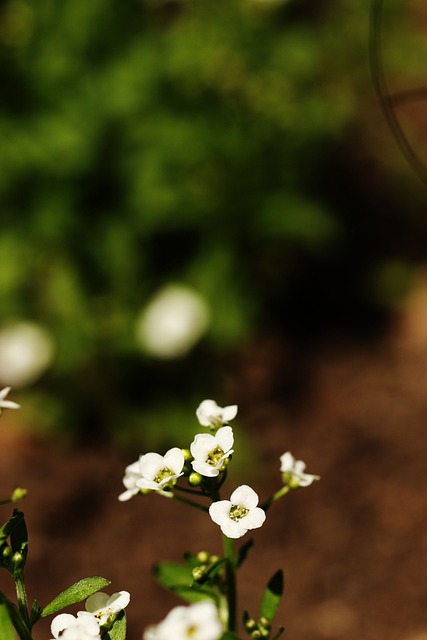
(272, 596)
(76, 593)
(36, 612)
(173, 574)
(118, 628)
(242, 553)
(6, 626)
(279, 633)
(11, 524)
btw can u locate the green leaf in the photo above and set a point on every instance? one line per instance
(11, 524)
(76, 593)
(36, 612)
(19, 535)
(6, 627)
(118, 630)
(172, 574)
(272, 596)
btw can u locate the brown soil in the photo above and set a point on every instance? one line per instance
(353, 547)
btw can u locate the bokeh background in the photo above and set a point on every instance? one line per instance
(202, 199)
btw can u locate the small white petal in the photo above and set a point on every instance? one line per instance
(287, 461)
(233, 529)
(61, 622)
(205, 410)
(96, 602)
(220, 511)
(127, 495)
(254, 519)
(202, 445)
(150, 465)
(228, 413)
(244, 496)
(174, 460)
(225, 438)
(118, 601)
(205, 469)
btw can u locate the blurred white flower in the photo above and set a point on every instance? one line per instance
(210, 451)
(239, 514)
(132, 474)
(7, 404)
(68, 627)
(159, 472)
(103, 606)
(293, 473)
(209, 414)
(172, 322)
(26, 351)
(199, 621)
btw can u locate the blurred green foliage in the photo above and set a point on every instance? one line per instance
(197, 141)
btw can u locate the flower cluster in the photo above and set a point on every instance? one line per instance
(101, 610)
(205, 464)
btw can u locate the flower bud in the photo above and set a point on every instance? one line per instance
(6, 552)
(264, 622)
(251, 625)
(213, 559)
(199, 573)
(256, 634)
(17, 559)
(195, 479)
(187, 455)
(203, 557)
(18, 493)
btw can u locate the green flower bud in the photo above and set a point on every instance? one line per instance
(251, 624)
(195, 479)
(213, 559)
(256, 634)
(264, 622)
(199, 573)
(18, 559)
(203, 557)
(187, 455)
(18, 493)
(6, 552)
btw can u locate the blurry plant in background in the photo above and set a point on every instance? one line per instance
(206, 151)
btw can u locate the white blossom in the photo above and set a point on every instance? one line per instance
(293, 472)
(159, 472)
(132, 474)
(7, 404)
(209, 414)
(26, 352)
(210, 452)
(68, 627)
(173, 322)
(239, 514)
(103, 606)
(199, 621)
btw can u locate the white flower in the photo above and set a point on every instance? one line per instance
(293, 472)
(103, 606)
(209, 414)
(159, 472)
(83, 627)
(132, 474)
(173, 322)
(26, 352)
(239, 514)
(211, 451)
(7, 404)
(199, 621)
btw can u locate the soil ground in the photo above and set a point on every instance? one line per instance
(353, 546)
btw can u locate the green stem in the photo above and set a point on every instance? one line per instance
(279, 494)
(192, 491)
(191, 503)
(230, 576)
(22, 596)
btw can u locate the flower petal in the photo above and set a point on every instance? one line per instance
(174, 460)
(150, 464)
(254, 519)
(119, 600)
(220, 511)
(233, 529)
(96, 602)
(202, 445)
(205, 469)
(230, 412)
(225, 438)
(245, 497)
(61, 622)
